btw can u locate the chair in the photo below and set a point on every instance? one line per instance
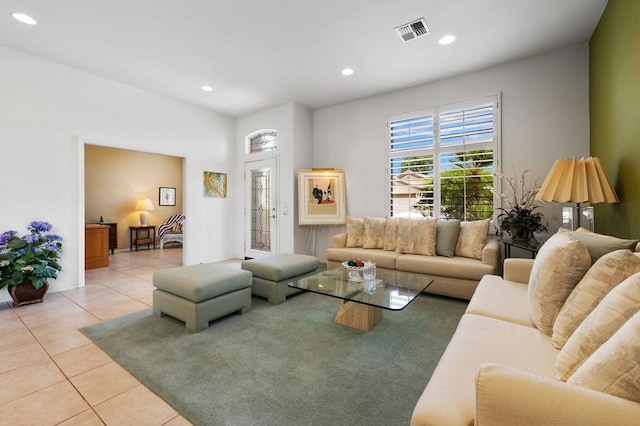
(171, 230)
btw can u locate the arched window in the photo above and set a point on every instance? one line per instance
(262, 141)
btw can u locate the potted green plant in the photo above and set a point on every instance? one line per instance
(26, 262)
(519, 216)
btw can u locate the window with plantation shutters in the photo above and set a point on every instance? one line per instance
(442, 160)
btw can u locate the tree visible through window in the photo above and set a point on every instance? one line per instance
(442, 161)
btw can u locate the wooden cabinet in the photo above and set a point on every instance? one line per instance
(96, 246)
(142, 235)
(113, 235)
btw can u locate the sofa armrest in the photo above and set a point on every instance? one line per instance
(338, 240)
(491, 253)
(506, 396)
(518, 270)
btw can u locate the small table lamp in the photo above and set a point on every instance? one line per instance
(143, 206)
(577, 181)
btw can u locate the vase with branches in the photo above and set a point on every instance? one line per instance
(519, 216)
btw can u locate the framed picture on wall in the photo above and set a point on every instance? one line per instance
(167, 196)
(215, 185)
(321, 197)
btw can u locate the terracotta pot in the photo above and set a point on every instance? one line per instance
(26, 293)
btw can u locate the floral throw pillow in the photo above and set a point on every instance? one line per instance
(472, 238)
(607, 317)
(355, 231)
(559, 266)
(390, 233)
(614, 368)
(374, 233)
(608, 271)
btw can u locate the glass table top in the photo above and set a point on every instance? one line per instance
(392, 290)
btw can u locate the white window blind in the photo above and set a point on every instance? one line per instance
(442, 161)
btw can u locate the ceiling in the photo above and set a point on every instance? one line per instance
(257, 54)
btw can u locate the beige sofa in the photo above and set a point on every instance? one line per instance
(500, 369)
(455, 276)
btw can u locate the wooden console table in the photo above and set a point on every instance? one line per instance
(96, 246)
(142, 235)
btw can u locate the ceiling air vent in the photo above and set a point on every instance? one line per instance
(415, 29)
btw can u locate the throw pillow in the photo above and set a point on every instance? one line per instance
(472, 238)
(406, 241)
(424, 233)
(447, 236)
(614, 368)
(558, 267)
(374, 233)
(390, 233)
(614, 310)
(599, 244)
(608, 271)
(355, 231)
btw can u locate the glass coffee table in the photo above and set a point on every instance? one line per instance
(363, 302)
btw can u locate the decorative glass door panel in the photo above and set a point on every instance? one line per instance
(260, 208)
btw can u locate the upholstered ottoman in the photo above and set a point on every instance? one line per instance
(197, 294)
(271, 274)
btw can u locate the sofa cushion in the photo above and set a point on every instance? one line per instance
(355, 231)
(608, 271)
(449, 398)
(373, 232)
(382, 258)
(501, 299)
(454, 267)
(558, 267)
(390, 233)
(447, 237)
(614, 368)
(599, 244)
(472, 238)
(607, 317)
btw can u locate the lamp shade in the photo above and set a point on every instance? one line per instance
(577, 181)
(144, 204)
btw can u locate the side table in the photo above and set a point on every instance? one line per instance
(532, 246)
(113, 235)
(142, 235)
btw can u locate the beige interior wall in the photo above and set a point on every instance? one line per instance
(116, 178)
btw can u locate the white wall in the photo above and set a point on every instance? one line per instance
(293, 123)
(545, 116)
(47, 110)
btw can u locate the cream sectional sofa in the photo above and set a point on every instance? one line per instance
(500, 368)
(456, 273)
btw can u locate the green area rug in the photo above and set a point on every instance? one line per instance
(287, 364)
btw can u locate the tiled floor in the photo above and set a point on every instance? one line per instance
(51, 374)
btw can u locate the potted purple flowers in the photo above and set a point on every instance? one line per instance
(28, 261)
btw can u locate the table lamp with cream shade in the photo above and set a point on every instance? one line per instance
(144, 205)
(577, 181)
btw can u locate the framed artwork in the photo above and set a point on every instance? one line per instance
(321, 197)
(167, 196)
(215, 184)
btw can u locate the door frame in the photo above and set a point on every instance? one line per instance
(275, 223)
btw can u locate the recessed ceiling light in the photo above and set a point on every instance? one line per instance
(25, 19)
(207, 88)
(347, 71)
(448, 39)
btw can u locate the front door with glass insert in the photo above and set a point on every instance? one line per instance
(260, 208)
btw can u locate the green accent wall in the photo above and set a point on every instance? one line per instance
(614, 104)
